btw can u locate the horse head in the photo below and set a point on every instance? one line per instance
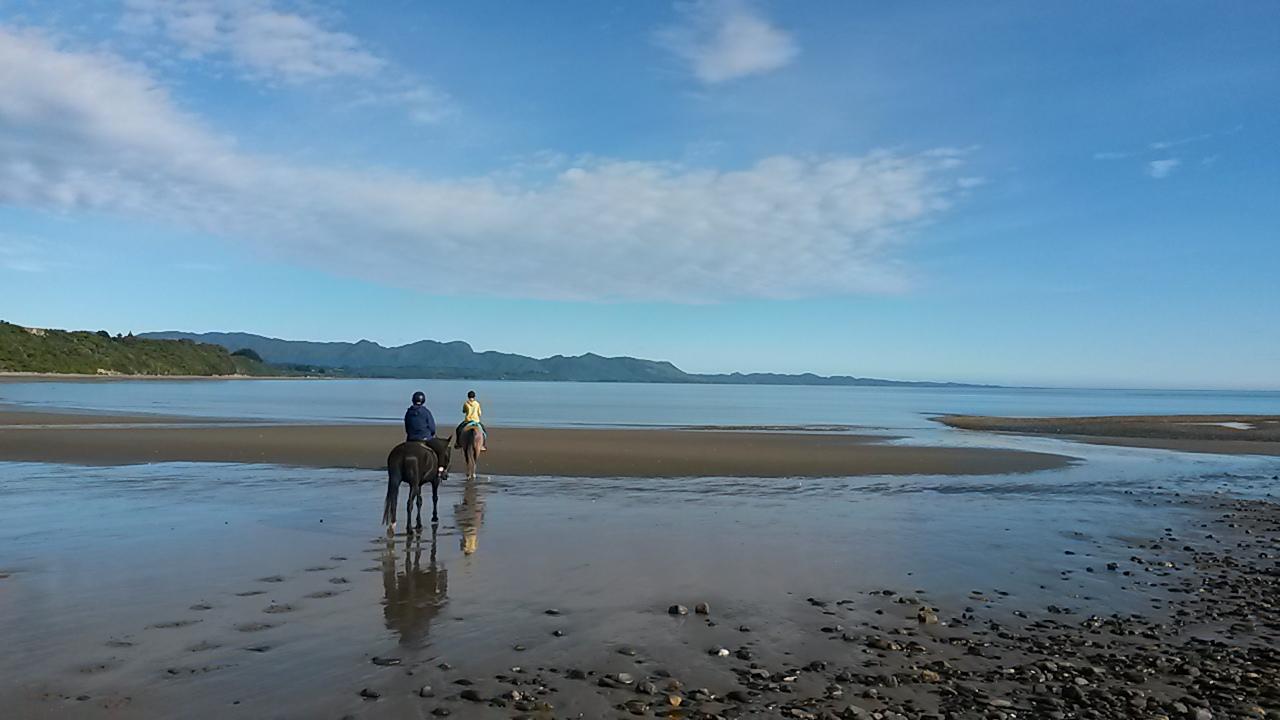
(444, 459)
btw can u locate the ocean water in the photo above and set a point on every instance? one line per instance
(547, 404)
(565, 404)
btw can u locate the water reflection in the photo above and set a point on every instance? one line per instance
(413, 595)
(469, 515)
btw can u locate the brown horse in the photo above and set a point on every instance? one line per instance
(415, 463)
(470, 439)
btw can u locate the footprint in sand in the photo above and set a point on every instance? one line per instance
(272, 579)
(339, 580)
(254, 627)
(320, 594)
(183, 671)
(203, 647)
(201, 606)
(251, 593)
(276, 608)
(174, 624)
(320, 568)
(100, 666)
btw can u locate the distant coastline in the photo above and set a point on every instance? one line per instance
(433, 360)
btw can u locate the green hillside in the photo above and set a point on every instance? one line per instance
(99, 353)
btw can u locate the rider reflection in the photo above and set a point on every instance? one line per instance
(414, 596)
(470, 515)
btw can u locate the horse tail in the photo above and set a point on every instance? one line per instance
(397, 472)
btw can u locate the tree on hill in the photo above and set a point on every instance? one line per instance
(248, 353)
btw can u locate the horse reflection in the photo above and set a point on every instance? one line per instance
(470, 515)
(413, 596)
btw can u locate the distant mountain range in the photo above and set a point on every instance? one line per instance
(457, 360)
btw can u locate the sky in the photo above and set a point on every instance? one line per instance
(1081, 194)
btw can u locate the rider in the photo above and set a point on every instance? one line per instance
(471, 418)
(420, 426)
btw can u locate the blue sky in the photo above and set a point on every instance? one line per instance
(1080, 194)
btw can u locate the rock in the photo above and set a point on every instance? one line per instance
(370, 694)
(472, 695)
(386, 662)
(646, 688)
(678, 610)
(426, 691)
(926, 616)
(552, 611)
(719, 652)
(702, 608)
(441, 712)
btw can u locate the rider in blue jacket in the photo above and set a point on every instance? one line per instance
(420, 425)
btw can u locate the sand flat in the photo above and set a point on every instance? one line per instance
(1226, 434)
(36, 437)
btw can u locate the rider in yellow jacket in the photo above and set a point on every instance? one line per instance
(471, 417)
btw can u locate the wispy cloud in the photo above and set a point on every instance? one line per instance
(84, 131)
(727, 39)
(265, 43)
(255, 37)
(1161, 169)
(1165, 165)
(22, 255)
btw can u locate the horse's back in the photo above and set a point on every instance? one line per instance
(422, 455)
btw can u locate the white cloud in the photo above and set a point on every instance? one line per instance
(270, 45)
(1160, 169)
(90, 132)
(727, 39)
(255, 37)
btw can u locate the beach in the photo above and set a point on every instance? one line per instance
(251, 591)
(157, 565)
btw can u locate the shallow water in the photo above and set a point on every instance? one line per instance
(109, 567)
(559, 404)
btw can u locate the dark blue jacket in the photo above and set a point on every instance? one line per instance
(418, 423)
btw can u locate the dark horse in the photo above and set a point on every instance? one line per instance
(415, 463)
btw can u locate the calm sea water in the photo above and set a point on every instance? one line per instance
(562, 404)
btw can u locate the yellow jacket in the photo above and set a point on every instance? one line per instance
(471, 411)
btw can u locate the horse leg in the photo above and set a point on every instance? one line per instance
(435, 502)
(419, 501)
(414, 489)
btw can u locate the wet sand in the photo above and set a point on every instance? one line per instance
(1226, 434)
(254, 592)
(96, 439)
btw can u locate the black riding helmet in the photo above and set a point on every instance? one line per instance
(419, 398)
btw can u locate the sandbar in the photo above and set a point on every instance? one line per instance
(108, 440)
(1226, 434)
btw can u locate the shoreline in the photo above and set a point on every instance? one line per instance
(1218, 434)
(86, 439)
